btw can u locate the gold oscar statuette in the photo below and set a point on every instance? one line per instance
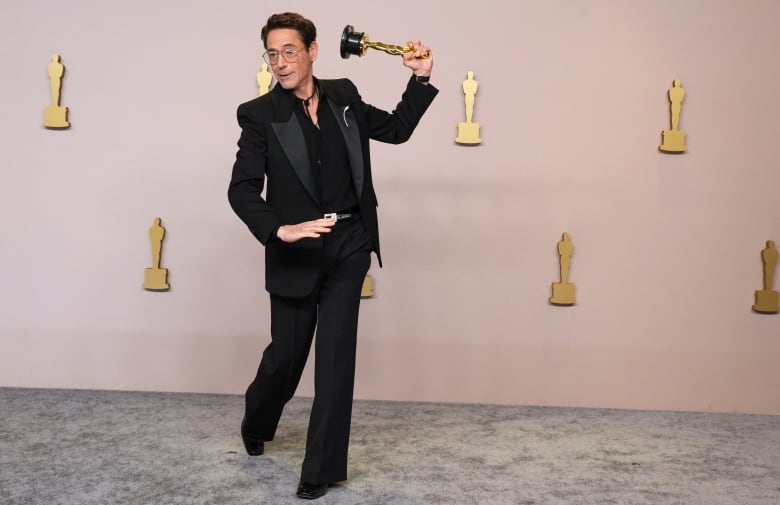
(767, 300)
(264, 79)
(55, 115)
(468, 132)
(357, 43)
(367, 291)
(156, 278)
(673, 141)
(563, 292)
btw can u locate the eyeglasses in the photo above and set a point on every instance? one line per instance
(290, 54)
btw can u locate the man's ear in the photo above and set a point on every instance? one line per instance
(313, 49)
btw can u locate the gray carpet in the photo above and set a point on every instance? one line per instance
(72, 447)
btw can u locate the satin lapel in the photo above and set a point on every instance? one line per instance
(293, 143)
(349, 128)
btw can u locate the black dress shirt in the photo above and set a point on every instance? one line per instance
(328, 155)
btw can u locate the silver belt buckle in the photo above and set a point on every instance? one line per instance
(338, 217)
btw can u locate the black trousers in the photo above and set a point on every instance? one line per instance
(331, 309)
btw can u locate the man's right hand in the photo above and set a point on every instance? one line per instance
(308, 229)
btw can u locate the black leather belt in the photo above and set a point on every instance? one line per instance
(342, 214)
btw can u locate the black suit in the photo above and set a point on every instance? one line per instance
(312, 282)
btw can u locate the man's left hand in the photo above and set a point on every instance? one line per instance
(416, 60)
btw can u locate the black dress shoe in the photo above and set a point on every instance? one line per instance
(253, 447)
(309, 491)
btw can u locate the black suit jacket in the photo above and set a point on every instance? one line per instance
(272, 148)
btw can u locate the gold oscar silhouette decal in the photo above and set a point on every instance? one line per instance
(768, 300)
(468, 132)
(156, 278)
(673, 141)
(55, 116)
(563, 292)
(367, 291)
(264, 78)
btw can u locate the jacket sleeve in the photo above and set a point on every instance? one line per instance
(397, 126)
(246, 184)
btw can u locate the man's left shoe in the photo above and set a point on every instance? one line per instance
(309, 491)
(253, 447)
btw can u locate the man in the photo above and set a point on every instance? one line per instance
(309, 139)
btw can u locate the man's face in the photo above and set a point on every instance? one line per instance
(281, 47)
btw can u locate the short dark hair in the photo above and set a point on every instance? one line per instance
(305, 27)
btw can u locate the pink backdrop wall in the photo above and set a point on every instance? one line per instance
(571, 102)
